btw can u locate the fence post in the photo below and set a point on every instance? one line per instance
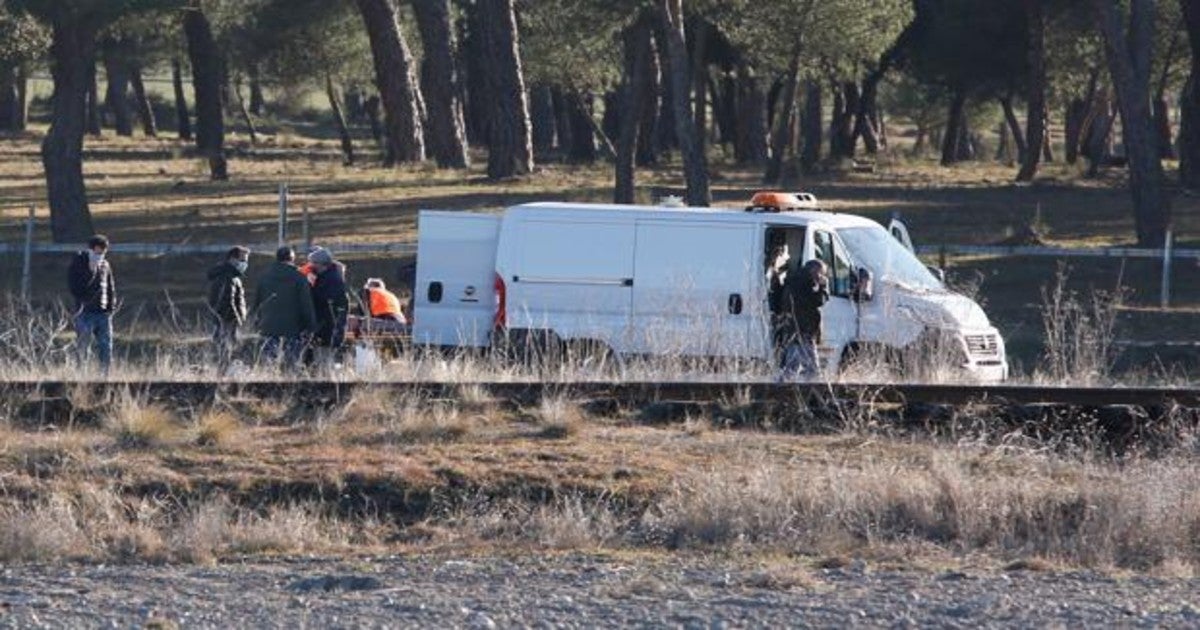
(27, 259)
(304, 227)
(283, 210)
(1166, 271)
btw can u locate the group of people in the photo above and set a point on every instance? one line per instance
(301, 311)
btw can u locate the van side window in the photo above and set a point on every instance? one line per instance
(839, 266)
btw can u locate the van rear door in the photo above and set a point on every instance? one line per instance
(695, 289)
(454, 302)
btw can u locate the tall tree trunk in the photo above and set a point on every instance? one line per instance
(695, 163)
(810, 151)
(610, 119)
(667, 139)
(583, 140)
(951, 150)
(782, 137)
(564, 131)
(445, 133)
(1078, 117)
(9, 98)
(1189, 102)
(207, 78)
(1097, 135)
(1129, 52)
(648, 131)
(699, 67)
(749, 118)
(1014, 126)
(244, 112)
(339, 118)
(541, 117)
(145, 112)
(510, 149)
(1035, 111)
(394, 77)
(71, 53)
(257, 101)
(182, 117)
(22, 110)
(473, 87)
(116, 72)
(372, 107)
(94, 121)
(1162, 127)
(1004, 146)
(638, 47)
(865, 120)
(841, 127)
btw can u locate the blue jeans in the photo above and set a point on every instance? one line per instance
(94, 328)
(800, 358)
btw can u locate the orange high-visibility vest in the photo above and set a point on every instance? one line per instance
(309, 272)
(384, 303)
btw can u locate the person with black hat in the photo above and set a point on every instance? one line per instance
(90, 279)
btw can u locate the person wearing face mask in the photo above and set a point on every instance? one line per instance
(227, 303)
(90, 280)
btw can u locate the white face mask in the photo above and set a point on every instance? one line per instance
(241, 265)
(95, 258)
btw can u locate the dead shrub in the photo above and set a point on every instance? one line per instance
(216, 429)
(136, 423)
(558, 417)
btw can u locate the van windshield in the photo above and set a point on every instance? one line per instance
(880, 252)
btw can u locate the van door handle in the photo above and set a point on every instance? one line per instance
(735, 303)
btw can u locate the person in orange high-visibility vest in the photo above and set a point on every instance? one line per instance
(307, 269)
(384, 309)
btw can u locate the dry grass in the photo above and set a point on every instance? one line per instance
(217, 428)
(135, 423)
(558, 417)
(385, 417)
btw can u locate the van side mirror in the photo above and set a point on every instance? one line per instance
(938, 273)
(862, 285)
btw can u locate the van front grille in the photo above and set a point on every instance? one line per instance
(983, 345)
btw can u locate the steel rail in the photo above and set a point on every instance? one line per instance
(630, 393)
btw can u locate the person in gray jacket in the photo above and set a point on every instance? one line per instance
(284, 307)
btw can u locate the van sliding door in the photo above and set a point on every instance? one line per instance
(573, 277)
(695, 289)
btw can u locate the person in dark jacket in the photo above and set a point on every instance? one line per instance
(805, 291)
(330, 300)
(284, 308)
(227, 302)
(90, 279)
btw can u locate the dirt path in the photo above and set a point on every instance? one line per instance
(576, 591)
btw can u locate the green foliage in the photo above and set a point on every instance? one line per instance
(832, 36)
(574, 43)
(299, 42)
(92, 13)
(21, 38)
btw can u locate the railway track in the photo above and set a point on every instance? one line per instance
(625, 393)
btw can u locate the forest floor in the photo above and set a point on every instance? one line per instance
(148, 190)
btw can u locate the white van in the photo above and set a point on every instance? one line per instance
(658, 280)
